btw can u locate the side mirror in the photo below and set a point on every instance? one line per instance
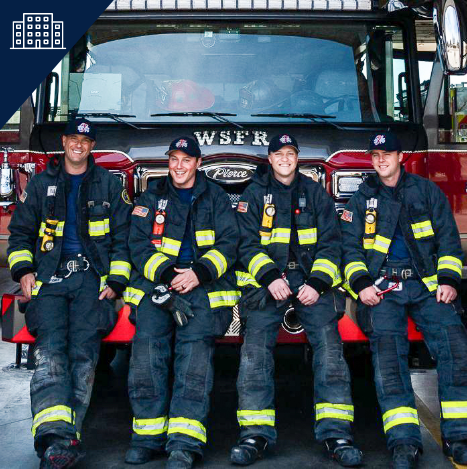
(450, 22)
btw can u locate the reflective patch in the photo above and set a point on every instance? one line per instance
(140, 211)
(51, 190)
(23, 196)
(126, 197)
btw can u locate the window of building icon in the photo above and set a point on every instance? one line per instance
(18, 34)
(38, 26)
(46, 26)
(18, 26)
(38, 34)
(29, 34)
(18, 42)
(29, 26)
(29, 41)
(57, 34)
(38, 18)
(57, 41)
(56, 26)
(46, 34)
(46, 19)
(29, 18)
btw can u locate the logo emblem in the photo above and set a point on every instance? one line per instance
(83, 128)
(379, 140)
(285, 139)
(126, 197)
(181, 143)
(38, 31)
(229, 174)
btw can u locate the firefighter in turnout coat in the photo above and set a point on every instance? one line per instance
(68, 249)
(290, 250)
(184, 235)
(400, 237)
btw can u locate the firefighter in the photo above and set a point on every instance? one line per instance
(290, 249)
(68, 249)
(183, 242)
(402, 255)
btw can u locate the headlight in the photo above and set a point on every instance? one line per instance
(346, 183)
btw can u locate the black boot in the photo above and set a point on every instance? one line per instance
(140, 455)
(405, 456)
(179, 459)
(62, 454)
(457, 450)
(343, 451)
(248, 450)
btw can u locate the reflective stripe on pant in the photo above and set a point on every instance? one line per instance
(68, 321)
(255, 384)
(446, 339)
(148, 382)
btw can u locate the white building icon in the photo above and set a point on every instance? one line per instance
(37, 31)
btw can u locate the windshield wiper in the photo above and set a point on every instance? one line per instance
(111, 115)
(312, 117)
(218, 116)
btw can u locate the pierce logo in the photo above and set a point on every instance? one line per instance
(379, 140)
(181, 143)
(83, 128)
(285, 139)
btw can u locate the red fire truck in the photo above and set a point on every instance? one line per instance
(233, 73)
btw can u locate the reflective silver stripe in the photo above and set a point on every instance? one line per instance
(52, 414)
(188, 427)
(337, 411)
(150, 426)
(266, 417)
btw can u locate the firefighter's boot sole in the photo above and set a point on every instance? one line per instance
(248, 451)
(60, 456)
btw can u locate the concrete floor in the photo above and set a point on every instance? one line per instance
(108, 424)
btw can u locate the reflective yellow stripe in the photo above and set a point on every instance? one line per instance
(380, 244)
(278, 235)
(257, 262)
(150, 426)
(58, 229)
(256, 417)
(205, 238)
(353, 267)
(103, 284)
(120, 268)
(219, 299)
(450, 263)
(431, 282)
(133, 296)
(52, 414)
(35, 290)
(454, 409)
(400, 416)
(325, 266)
(422, 229)
(326, 410)
(308, 236)
(99, 227)
(188, 427)
(218, 259)
(152, 264)
(244, 279)
(170, 246)
(19, 256)
(346, 286)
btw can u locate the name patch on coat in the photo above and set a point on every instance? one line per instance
(51, 190)
(347, 216)
(140, 211)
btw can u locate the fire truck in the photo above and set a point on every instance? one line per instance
(233, 73)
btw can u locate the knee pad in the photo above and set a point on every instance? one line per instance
(50, 369)
(198, 378)
(140, 380)
(256, 367)
(392, 362)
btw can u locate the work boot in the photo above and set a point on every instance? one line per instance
(405, 456)
(140, 455)
(62, 455)
(457, 450)
(179, 459)
(343, 451)
(248, 450)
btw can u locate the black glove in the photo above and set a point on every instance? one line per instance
(174, 304)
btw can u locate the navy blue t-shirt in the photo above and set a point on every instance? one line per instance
(398, 250)
(71, 242)
(186, 254)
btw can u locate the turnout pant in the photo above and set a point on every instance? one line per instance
(68, 320)
(334, 410)
(180, 423)
(446, 339)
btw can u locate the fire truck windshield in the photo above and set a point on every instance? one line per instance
(351, 72)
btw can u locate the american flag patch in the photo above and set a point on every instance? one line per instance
(140, 211)
(347, 216)
(242, 207)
